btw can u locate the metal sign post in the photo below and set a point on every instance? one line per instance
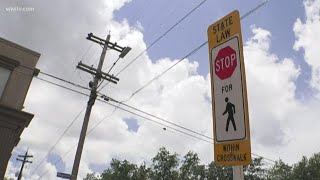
(238, 173)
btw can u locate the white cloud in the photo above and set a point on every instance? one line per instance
(308, 37)
(271, 91)
(180, 96)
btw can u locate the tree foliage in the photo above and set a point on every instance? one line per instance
(164, 166)
(280, 171)
(168, 166)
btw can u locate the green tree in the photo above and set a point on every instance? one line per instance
(256, 170)
(164, 165)
(300, 170)
(142, 173)
(280, 171)
(217, 172)
(120, 170)
(91, 176)
(314, 166)
(307, 169)
(191, 168)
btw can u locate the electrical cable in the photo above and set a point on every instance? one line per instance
(151, 120)
(146, 118)
(108, 73)
(64, 87)
(136, 110)
(264, 157)
(159, 118)
(169, 127)
(247, 14)
(189, 54)
(69, 82)
(78, 54)
(160, 37)
(55, 163)
(242, 17)
(210, 138)
(61, 136)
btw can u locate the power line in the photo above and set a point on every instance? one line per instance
(61, 136)
(177, 62)
(146, 118)
(64, 87)
(52, 76)
(151, 120)
(116, 107)
(210, 138)
(188, 55)
(78, 54)
(69, 82)
(264, 157)
(254, 9)
(122, 109)
(160, 37)
(113, 64)
(58, 160)
(165, 71)
(159, 118)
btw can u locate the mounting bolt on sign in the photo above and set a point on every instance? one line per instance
(225, 63)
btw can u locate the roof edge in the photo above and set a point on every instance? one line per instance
(20, 47)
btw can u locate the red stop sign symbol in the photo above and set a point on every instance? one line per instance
(225, 63)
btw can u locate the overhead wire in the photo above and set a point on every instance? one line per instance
(161, 36)
(242, 17)
(61, 86)
(67, 88)
(57, 161)
(134, 108)
(52, 76)
(174, 124)
(78, 54)
(139, 115)
(61, 136)
(113, 64)
(164, 125)
(188, 55)
(162, 119)
(247, 14)
(162, 72)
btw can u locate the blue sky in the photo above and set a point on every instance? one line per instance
(156, 17)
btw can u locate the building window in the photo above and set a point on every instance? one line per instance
(4, 76)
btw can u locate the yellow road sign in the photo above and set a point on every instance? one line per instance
(229, 92)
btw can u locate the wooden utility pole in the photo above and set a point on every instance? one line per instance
(98, 75)
(24, 160)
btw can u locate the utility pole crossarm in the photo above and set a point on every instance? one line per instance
(94, 71)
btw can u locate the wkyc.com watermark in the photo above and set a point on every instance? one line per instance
(20, 9)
